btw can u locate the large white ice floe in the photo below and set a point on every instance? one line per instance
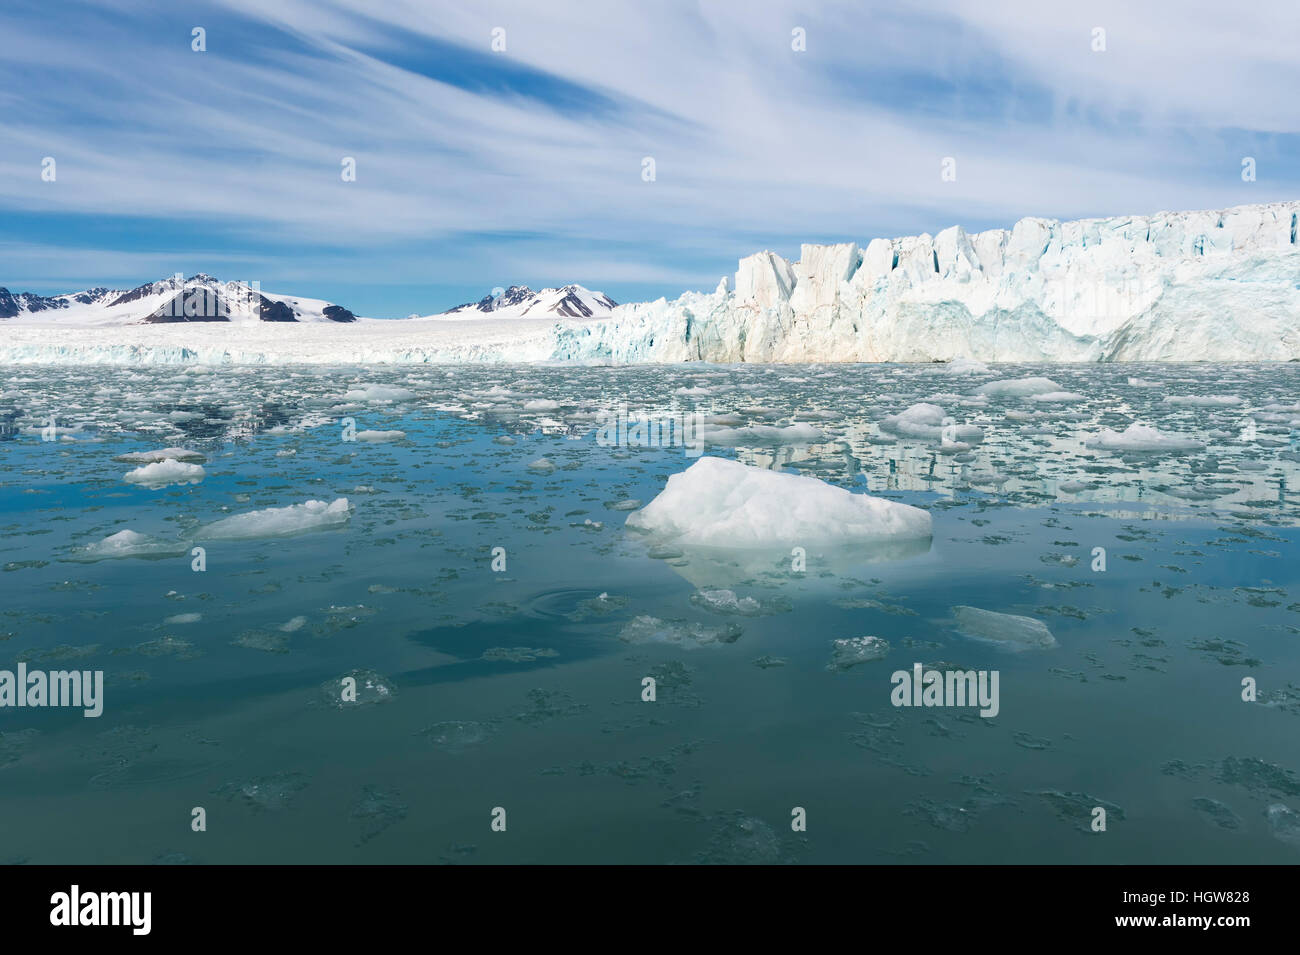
(726, 504)
(1141, 437)
(1019, 387)
(279, 521)
(378, 393)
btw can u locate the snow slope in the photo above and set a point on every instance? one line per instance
(519, 301)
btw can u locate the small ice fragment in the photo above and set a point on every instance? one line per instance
(150, 457)
(851, 651)
(1004, 628)
(162, 473)
(129, 543)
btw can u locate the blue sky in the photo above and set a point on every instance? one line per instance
(478, 168)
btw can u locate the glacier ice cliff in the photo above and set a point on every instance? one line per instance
(1183, 286)
(1174, 286)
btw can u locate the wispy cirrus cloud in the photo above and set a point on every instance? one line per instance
(477, 167)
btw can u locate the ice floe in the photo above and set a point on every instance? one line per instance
(129, 543)
(1019, 387)
(376, 392)
(163, 454)
(720, 503)
(279, 521)
(168, 471)
(1006, 629)
(1141, 437)
(647, 629)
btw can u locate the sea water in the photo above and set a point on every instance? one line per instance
(496, 623)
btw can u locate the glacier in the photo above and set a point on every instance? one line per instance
(1185, 286)
(1174, 286)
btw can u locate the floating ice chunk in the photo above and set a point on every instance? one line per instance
(1284, 823)
(1058, 397)
(719, 503)
(279, 521)
(294, 625)
(764, 434)
(1203, 401)
(966, 366)
(919, 421)
(375, 437)
(726, 601)
(851, 651)
(1020, 633)
(150, 457)
(1019, 387)
(1142, 383)
(541, 404)
(128, 543)
(1141, 437)
(545, 465)
(926, 420)
(646, 629)
(162, 473)
(378, 393)
(184, 618)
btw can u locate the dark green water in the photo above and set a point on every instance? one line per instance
(521, 688)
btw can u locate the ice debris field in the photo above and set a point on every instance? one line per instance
(498, 555)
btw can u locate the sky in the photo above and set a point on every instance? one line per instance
(501, 143)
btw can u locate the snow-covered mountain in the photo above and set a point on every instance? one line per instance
(519, 301)
(200, 298)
